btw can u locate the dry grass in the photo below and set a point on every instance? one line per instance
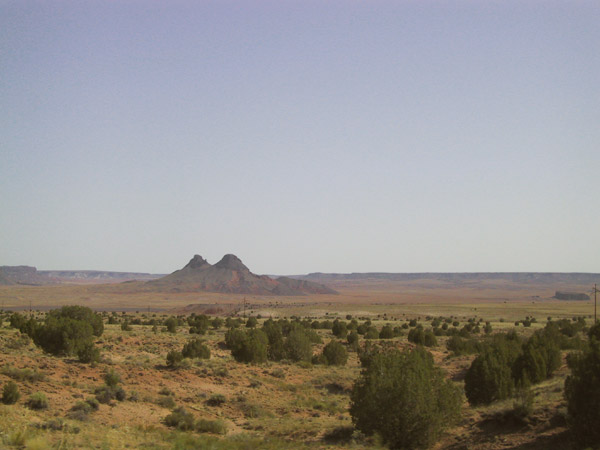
(276, 405)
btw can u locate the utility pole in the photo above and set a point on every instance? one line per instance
(244, 307)
(595, 308)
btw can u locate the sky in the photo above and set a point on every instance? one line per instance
(302, 136)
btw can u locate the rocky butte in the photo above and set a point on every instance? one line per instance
(231, 276)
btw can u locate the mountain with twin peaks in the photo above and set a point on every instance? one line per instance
(231, 276)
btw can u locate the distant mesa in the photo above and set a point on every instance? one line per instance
(26, 275)
(30, 276)
(231, 276)
(571, 296)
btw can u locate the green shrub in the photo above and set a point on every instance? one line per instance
(335, 354)
(594, 332)
(275, 350)
(386, 332)
(174, 359)
(171, 324)
(371, 333)
(216, 400)
(37, 401)
(180, 419)
(339, 329)
(112, 378)
(416, 336)
(17, 321)
(104, 394)
(461, 346)
(111, 389)
(166, 402)
(249, 347)
(88, 353)
(211, 426)
(352, 339)
(582, 391)
(404, 398)
(63, 335)
(25, 374)
(10, 393)
(430, 340)
(251, 322)
(80, 313)
(198, 324)
(298, 346)
(489, 378)
(81, 410)
(195, 349)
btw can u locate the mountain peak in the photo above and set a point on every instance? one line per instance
(197, 261)
(231, 262)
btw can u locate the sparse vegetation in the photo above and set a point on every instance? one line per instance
(10, 393)
(305, 404)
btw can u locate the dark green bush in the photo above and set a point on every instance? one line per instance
(339, 329)
(582, 391)
(174, 359)
(166, 402)
(416, 336)
(371, 333)
(171, 324)
(404, 398)
(37, 401)
(298, 346)
(88, 353)
(81, 410)
(211, 426)
(249, 347)
(216, 400)
(112, 378)
(64, 336)
(104, 394)
(80, 313)
(335, 354)
(252, 322)
(17, 321)
(489, 378)
(10, 393)
(539, 358)
(594, 332)
(352, 339)
(430, 340)
(111, 389)
(275, 350)
(180, 419)
(198, 324)
(195, 349)
(386, 332)
(461, 346)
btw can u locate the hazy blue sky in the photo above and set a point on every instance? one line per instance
(333, 136)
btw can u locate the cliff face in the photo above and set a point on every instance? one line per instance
(23, 275)
(231, 276)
